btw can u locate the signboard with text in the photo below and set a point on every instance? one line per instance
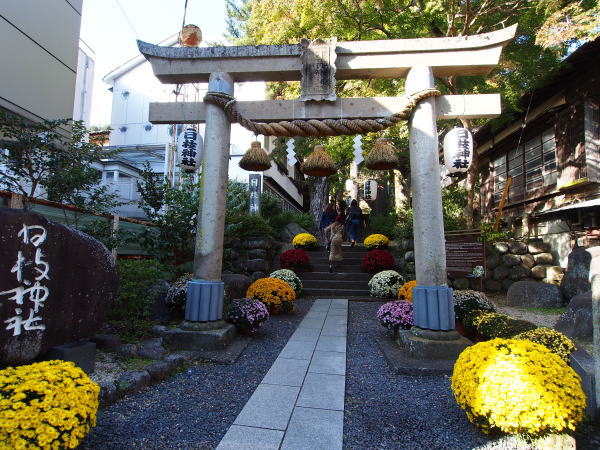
(463, 254)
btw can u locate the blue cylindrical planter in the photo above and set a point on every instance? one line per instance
(204, 301)
(433, 307)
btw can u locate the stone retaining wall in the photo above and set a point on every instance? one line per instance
(506, 262)
(252, 256)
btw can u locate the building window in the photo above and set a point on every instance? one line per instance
(531, 166)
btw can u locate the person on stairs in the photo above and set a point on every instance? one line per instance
(327, 218)
(336, 231)
(354, 220)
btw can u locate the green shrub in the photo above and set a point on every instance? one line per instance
(553, 340)
(496, 325)
(382, 224)
(177, 294)
(139, 282)
(280, 220)
(466, 301)
(241, 225)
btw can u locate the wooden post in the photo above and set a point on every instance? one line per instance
(502, 200)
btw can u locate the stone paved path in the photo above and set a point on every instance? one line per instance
(300, 402)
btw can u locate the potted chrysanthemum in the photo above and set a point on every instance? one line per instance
(396, 315)
(247, 314)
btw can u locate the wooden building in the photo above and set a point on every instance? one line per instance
(551, 155)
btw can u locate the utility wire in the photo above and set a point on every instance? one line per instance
(127, 19)
(183, 21)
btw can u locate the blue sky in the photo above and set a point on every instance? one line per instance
(111, 27)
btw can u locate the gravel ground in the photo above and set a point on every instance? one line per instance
(195, 408)
(388, 411)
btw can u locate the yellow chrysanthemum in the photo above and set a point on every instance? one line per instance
(271, 291)
(304, 241)
(405, 292)
(376, 241)
(518, 387)
(51, 404)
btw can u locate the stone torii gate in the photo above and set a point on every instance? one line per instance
(420, 60)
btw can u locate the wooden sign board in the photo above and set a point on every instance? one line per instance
(463, 254)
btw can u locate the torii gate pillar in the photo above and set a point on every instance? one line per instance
(205, 292)
(432, 298)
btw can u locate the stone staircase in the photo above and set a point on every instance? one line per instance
(348, 280)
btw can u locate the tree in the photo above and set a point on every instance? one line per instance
(523, 67)
(53, 159)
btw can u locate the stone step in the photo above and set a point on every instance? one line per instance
(348, 268)
(334, 284)
(335, 276)
(336, 293)
(350, 259)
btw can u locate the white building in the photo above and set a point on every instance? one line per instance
(39, 53)
(84, 84)
(134, 87)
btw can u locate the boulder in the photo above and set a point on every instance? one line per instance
(151, 349)
(555, 274)
(492, 285)
(534, 295)
(539, 272)
(510, 260)
(133, 381)
(506, 284)
(257, 265)
(501, 247)
(257, 276)
(536, 247)
(527, 260)
(106, 341)
(492, 261)
(160, 370)
(290, 231)
(408, 244)
(576, 321)
(264, 242)
(56, 285)
(501, 272)
(460, 283)
(127, 350)
(475, 284)
(583, 264)
(409, 256)
(236, 285)
(257, 253)
(108, 393)
(543, 258)
(519, 272)
(517, 247)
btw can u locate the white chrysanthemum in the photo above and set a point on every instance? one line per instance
(290, 277)
(385, 284)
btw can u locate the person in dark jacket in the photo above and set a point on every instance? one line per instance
(327, 218)
(354, 219)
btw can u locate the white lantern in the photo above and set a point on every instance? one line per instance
(349, 185)
(189, 149)
(458, 151)
(370, 190)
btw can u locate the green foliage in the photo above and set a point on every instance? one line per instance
(242, 225)
(492, 236)
(102, 231)
(385, 225)
(493, 325)
(138, 284)
(55, 159)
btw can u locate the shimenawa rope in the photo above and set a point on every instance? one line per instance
(325, 127)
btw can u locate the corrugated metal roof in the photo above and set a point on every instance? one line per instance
(579, 205)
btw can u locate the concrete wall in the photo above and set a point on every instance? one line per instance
(557, 234)
(38, 57)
